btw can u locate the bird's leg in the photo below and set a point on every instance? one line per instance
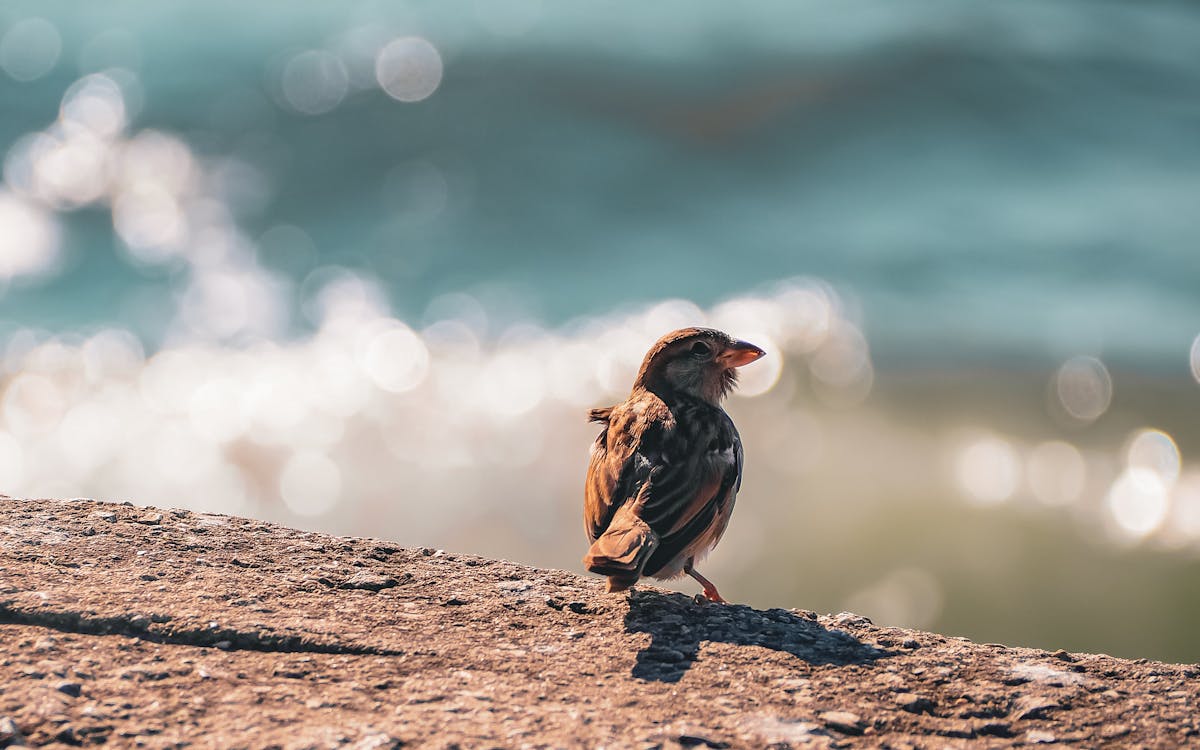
(710, 591)
(616, 585)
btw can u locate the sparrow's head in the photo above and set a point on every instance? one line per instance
(699, 362)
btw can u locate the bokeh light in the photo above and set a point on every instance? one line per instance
(842, 364)
(94, 103)
(30, 49)
(29, 238)
(1084, 388)
(150, 221)
(988, 470)
(1194, 358)
(395, 359)
(1138, 501)
(282, 423)
(409, 69)
(314, 82)
(1155, 451)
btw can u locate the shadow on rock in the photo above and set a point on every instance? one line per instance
(678, 625)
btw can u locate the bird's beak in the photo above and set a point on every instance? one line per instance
(741, 353)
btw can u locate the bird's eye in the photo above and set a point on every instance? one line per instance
(700, 349)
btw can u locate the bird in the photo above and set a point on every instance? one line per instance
(666, 468)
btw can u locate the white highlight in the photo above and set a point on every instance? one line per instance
(395, 359)
(1194, 358)
(409, 69)
(29, 238)
(1137, 502)
(988, 470)
(94, 103)
(1154, 450)
(362, 406)
(1084, 388)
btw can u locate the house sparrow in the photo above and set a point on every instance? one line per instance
(665, 470)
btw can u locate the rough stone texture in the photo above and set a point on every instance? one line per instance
(142, 628)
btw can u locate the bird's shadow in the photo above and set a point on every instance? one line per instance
(678, 625)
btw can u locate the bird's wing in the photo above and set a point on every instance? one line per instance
(600, 415)
(692, 500)
(679, 472)
(623, 457)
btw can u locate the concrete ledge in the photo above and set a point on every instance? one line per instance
(138, 627)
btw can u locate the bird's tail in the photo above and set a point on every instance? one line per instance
(622, 551)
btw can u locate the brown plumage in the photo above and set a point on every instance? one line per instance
(666, 469)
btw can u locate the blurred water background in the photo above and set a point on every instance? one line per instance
(361, 267)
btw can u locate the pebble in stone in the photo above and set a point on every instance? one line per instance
(72, 689)
(1041, 737)
(849, 619)
(369, 581)
(514, 587)
(9, 733)
(1032, 707)
(913, 703)
(377, 742)
(843, 721)
(66, 735)
(699, 740)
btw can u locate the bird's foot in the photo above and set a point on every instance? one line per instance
(710, 591)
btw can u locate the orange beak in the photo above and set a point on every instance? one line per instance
(741, 353)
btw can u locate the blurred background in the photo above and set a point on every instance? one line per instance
(361, 267)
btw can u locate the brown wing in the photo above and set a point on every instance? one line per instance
(692, 495)
(679, 467)
(600, 415)
(620, 464)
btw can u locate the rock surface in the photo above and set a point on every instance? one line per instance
(149, 628)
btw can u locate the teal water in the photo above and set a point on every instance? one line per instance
(983, 181)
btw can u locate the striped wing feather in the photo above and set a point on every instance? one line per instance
(680, 468)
